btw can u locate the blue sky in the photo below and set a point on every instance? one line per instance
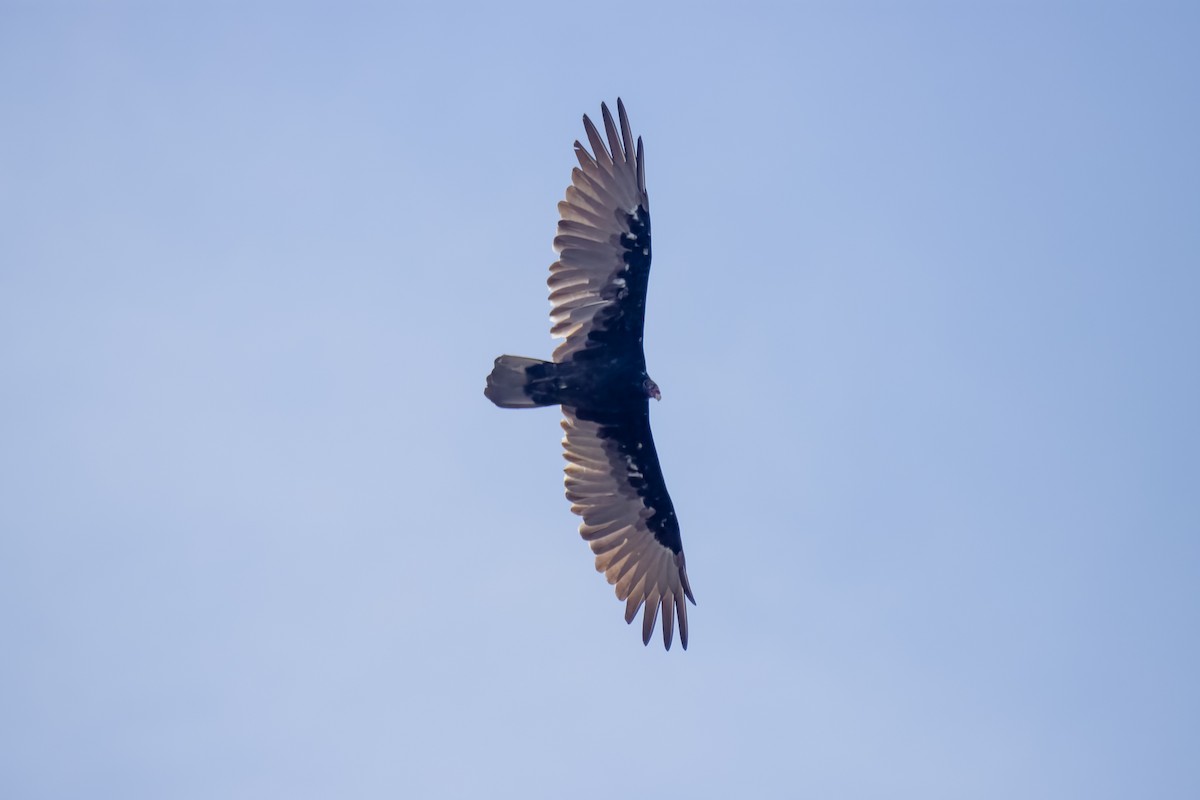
(924, 313)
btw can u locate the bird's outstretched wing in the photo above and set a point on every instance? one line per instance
(615, 483)
(598, 284)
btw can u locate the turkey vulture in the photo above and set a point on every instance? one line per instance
(598, 376)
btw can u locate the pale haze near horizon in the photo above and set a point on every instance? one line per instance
(924, 314)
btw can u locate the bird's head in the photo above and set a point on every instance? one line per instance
(651, 389)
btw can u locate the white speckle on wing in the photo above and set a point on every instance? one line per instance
(645, 251)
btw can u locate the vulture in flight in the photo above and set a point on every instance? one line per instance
(598, 376)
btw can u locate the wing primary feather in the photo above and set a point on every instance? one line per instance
(632, 606)
(621, 576)
(668, 616)
(601, 155)
(585, 158)
(639, 587)
(648, 618)
(626, 132)
(681, 563)
(681, 610)
(641, 169)
(610, 129)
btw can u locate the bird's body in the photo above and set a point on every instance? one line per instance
(599, 384)
(598, 376)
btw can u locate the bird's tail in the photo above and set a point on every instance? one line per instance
(519, 382)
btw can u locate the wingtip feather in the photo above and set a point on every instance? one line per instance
(668, 622)
(626, 130)
(610, 129)
(649, 617)
(600, 153)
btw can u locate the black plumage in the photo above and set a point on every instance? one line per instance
(598, 376)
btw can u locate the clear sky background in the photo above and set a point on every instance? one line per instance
(924, 310)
